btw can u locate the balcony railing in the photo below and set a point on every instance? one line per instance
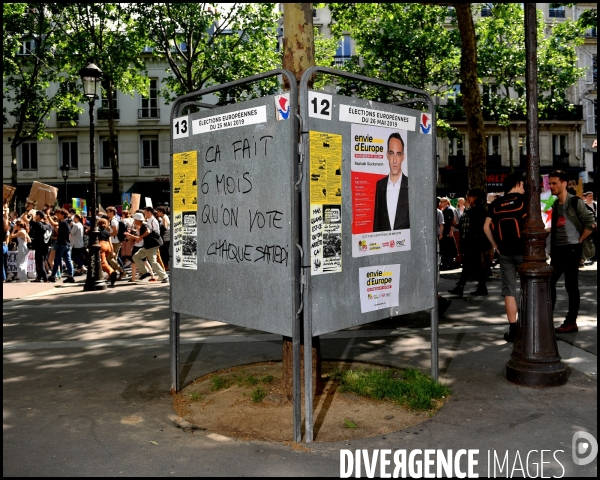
(340, 60)
(556, 13)
(560, 161)
(562, 113)
(64, 116)
(148, 113)
(104, 114)
(494, 161)
(456, 161)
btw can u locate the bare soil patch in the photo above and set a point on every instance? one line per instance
(231, 411)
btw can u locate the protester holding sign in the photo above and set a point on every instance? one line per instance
(20, 234)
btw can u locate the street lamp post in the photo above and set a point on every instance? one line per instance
(65, 174)
(535, 361)
(91, 76)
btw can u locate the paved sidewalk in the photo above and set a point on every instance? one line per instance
(86, 379)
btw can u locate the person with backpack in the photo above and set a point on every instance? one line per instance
(572, 223)
(504, 229)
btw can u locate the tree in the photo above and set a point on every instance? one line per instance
(108, 34)
(31, 62)
(405, 43)
(471, 96)
(501, 51)
(208, 44)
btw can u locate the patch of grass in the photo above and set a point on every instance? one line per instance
(195, 397)
(267, 379)
(217, 383)
(408, 387)
(258, 394)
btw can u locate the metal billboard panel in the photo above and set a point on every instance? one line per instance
(373, 271)
(235, 224)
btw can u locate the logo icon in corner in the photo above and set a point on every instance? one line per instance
(425, 123)
(587, 445)
(282, 106)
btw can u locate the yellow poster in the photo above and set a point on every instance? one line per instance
(325, 203)
(325, 168)
(185, 181)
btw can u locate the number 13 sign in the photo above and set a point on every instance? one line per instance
(320, 105)
(181, 127)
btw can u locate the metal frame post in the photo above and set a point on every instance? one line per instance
(179, 105)
(426, 99)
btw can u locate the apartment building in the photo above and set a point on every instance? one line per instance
(567, 140)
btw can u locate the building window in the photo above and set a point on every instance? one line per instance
(493, 144)
(558, 12)
(560, 152)
(522, 145)
(105, 152)
(489, 91)
(456, 157)
(486, 10)
(29, 157)
(592, 116)
(456, 146)
(150, 105)
(343, 49)
(149, 151)
(69, 153)
(105, 100)
(26, 47)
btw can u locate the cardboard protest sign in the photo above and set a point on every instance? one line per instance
(7, 193)
(42, 194)
(135, 202)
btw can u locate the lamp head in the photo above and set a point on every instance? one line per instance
(91, 76)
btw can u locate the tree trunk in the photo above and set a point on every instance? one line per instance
(112, 151)
(471, 97)
(511, 157)
(13, 174)
(298, 56)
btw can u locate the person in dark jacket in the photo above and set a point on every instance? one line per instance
(473, 243)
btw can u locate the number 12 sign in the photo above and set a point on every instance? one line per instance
(320, 105)
(181, 127)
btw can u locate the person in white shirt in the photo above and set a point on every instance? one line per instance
(77, 246)
(113, 259)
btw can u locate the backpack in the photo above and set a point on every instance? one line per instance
(588, 250)
(121, 231)
(508, 214)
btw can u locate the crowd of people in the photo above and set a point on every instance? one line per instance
(133, 247)
(493, 233)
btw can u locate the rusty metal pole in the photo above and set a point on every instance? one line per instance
(298, 56)
(535, 361)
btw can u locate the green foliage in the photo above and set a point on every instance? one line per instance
(207, 44)
(258, 394)
(267, 379)
(195, 397)
(405, 43)
(502, 62)
(217, 383)
(28, 96)
(407, 387)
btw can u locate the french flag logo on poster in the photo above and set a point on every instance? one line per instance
(425, 123)
(282, 106)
